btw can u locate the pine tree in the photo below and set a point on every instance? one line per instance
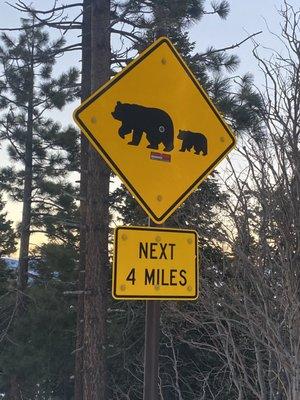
(41, 355)
(42, 153)
(7, 247)
(36, 144)
(7, 233)
(7, 275)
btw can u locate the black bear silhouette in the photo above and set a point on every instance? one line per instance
(193, 139)
(138, 119)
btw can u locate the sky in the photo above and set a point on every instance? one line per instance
(245, 18)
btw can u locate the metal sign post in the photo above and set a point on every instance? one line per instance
(151, 352)
(153, 263)
(152, 332)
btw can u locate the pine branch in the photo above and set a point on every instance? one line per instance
(134, 24)
(50, 21)
(73, 22)
(131, 36)
(122, 18)
(45, 202)
(7, 136)
(76, 46)
(10, 101)
(230, 47)
(24, 28)
(77, 293)
(57, 25)
(21, 6)
(47, 233)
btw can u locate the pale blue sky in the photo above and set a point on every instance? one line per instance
(246, 17)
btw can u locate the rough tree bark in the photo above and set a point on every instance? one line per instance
(26, 212)
(85, 92)
(97, 219)
(15, 391)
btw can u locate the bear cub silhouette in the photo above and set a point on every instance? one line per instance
(137, 119)
(193, 139)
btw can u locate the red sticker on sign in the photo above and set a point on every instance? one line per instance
(160, 156)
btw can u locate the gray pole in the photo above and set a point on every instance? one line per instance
(152, 331)
(152, 324)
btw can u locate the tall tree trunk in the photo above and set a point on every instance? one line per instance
(14, 390)
(161, 17)
(15, 380)
(85, 92)
(97, 219)
(26, 212)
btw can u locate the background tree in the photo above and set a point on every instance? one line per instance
(7, 233)
(39, 350)
(239, 103)
(252, 314)
(7, 247)
(42, 154)
(7, 275)
(35, 141)
(137, 31)
(209, 67)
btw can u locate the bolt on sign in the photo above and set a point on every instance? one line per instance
(155, 263)
(157, 129)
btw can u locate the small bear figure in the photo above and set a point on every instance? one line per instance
(193, 139)
(137, 119)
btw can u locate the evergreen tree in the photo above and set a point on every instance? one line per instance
(7, 275)
(36, 144)
(41, 355)
(7, 247)
(42, 154)
(7, 233)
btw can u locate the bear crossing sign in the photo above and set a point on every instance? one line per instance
(157, 129)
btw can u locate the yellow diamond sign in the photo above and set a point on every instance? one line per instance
(155, 263)
(157, 129)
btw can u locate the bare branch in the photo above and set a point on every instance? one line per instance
(230, 47)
